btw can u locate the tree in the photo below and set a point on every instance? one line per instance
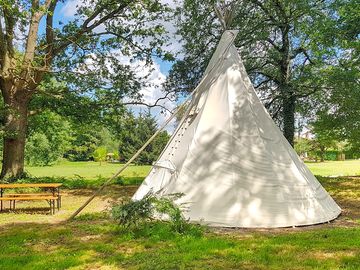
(49, 137)
(99, 154)
(85, 140)
(135, 132)
(86, 53)
(278, 41)
(339, 109)
(302, 147)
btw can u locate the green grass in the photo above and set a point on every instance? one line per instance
(335, 168)
(75, 175)
(87, 170)
(93, 171)
(100, 244)
(32, 239)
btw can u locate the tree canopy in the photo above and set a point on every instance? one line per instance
(286, 47)
(89, 55)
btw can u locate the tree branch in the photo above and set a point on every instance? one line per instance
(153, 105)
(2, 46)
(85, 28)
(9, 36)
(300, 50)
(50, 32)
(269, 40)
(262, 82)
(315, 89)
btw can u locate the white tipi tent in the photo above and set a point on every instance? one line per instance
(230, 160)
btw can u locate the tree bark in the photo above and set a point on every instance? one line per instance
(16, 120)
(322, 153)
(289, 117)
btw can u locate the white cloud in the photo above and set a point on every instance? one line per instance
(69, 8)
(153, 91)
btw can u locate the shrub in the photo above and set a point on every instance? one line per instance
(38, 151)
(136, 213)
(99, 154)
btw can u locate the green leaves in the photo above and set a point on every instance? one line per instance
(134, 131)
(99, 154)
(48, 139)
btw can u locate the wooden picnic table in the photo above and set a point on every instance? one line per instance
(49, 197)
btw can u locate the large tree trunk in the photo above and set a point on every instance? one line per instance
(289, 118)
(14, 138)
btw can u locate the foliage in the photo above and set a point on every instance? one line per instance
(38, 150)
(339, 107)
(85, 60)
(323, 148)
(49, 137)
(278, 41)
(86, 138)
(99, 154)
(135, 132)
(303, 146)
(137, 212)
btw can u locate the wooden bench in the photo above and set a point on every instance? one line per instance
(51, 197)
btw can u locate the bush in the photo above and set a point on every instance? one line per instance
(38, 151)
(136, 213)
(49, 137)
(99, 154)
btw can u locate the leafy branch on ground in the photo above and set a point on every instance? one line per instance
(135, 213)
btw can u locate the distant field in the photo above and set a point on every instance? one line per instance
(92, 170)
(338, 168)
(88, 170)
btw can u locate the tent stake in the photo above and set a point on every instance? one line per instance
(107, 182)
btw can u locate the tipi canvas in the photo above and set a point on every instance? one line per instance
(230, 160)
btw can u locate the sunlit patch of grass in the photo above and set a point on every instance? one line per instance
(89, 171)
(335, 168)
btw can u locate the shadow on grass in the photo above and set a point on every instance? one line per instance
(92, 241)
(346, 192)
(28, 210)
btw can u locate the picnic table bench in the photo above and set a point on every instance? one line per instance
(52, 196)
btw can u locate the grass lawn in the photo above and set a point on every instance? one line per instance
(88, 170)
(93, 171)
(32, 239)
(335, 168)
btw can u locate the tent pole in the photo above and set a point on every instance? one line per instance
(97, 192)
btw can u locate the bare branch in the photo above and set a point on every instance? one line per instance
(156, 104)
(313, 91)
(276, 47)
(262, 83)
(267, 75)
(300, 50)
(127, 39)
